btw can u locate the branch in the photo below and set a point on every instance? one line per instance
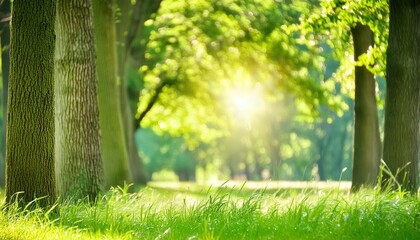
(5, 15)
(142, 10)
(152, 101)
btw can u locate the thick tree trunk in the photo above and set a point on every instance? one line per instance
(367, 143)
(30, 133)
(5, 65)
(402, 104)
(114, 151)
(78, 153)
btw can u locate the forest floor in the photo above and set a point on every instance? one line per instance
(230, 210)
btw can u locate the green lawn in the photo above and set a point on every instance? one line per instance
(225, 211)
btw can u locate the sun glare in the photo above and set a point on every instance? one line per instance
(244, 97)
(241, 102)
(245, 103)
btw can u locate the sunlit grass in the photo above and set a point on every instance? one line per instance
(191, 211)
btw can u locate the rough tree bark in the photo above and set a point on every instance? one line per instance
(114, 150)
(78, 153)
(30, 134)
(367, 142)
(402, 103)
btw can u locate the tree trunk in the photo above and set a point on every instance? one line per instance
(321, 161)
(78, 153)
(275, 154)
(402, 104)
(324, 142)
(114, 151)
(137, 168)
(338, 166)
(142, 11)
(183, 175)
(121, 26)
(5, 65)
(247, 172)
(367, 143)
(128, 30)
(30, 133)
(258, 168)
(232, 172)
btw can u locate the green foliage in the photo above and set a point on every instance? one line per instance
(332, 22)
(288, 62)
(201, 212)
(197, 49)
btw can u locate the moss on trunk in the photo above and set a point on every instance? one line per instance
(30, 133)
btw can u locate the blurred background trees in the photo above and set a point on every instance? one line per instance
(280, 109)
(236, 89)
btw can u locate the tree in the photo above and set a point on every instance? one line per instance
(366, 21)
(78, 153)
(5, 65)
(185, 65)
(402, 104)
(114, 150)
(129, 27)
(367, 142)
(30, 134)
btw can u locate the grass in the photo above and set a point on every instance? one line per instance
(192, 211)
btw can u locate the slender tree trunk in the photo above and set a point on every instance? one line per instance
(338, 166)
(30, 133)
(114, 150)
(127, 32)
(275, 150)
(183, 175)
(275, 158)
(258, 168)
(367, 142)
(5, 65)
(78, 153)
(137, 168)
(247, 172)
(402, 104)
(142, 11)
(324, 142)
(121, 26)
(232, 172)
(321, 162)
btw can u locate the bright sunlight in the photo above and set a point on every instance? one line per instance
(246, 98)
(245, 103)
